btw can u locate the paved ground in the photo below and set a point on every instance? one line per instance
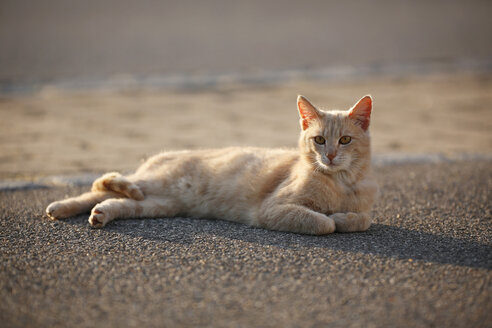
(425, 262)
(50, 40)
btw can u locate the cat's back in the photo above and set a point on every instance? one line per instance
(219, 161)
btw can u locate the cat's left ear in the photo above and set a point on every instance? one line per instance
(361, 112)
(307, 112)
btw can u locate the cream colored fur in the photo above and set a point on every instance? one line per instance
(317, 189)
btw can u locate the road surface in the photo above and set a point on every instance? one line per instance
(55, 40)
(425, 262)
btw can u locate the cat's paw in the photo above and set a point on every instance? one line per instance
(322, 225)
(351, 222)
(134, 192)
(98, 217)
(327, 226)
(58, 210)
(115, 182)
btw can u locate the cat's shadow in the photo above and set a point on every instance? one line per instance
(380, 239)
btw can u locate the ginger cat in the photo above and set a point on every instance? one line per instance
(322, 187)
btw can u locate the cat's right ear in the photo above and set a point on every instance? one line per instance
(307, 111)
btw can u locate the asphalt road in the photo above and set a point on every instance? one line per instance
(52, 40)
(426, 262)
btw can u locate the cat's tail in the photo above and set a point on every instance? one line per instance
(114, 181)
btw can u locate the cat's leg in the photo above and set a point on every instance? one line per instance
(125, 208)
(77, 205)
(295, 218)
(350, 222)
(116, 182)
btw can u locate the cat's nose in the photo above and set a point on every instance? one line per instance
(331, 156)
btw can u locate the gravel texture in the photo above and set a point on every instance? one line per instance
(425, 262)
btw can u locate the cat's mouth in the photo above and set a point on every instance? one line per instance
(330, 166)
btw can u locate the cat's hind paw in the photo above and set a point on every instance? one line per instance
(98, 218)
(115, 182)
(58, 210)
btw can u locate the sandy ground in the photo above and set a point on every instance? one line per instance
(57, 132)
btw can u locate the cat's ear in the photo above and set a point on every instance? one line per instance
(361, 112)
(307, 111)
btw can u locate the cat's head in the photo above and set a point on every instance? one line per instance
(336, 141)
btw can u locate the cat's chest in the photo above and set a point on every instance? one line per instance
(341, 198)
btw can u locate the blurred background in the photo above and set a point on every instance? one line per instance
(91, 86)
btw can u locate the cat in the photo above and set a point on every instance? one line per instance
(322, 187)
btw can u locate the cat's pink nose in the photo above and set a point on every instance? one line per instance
(331, 156)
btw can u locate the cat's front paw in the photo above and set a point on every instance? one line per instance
(98, 218)
(58, 210)
(351, 222)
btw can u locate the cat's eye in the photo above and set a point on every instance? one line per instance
(319, 140)
(345, 140)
